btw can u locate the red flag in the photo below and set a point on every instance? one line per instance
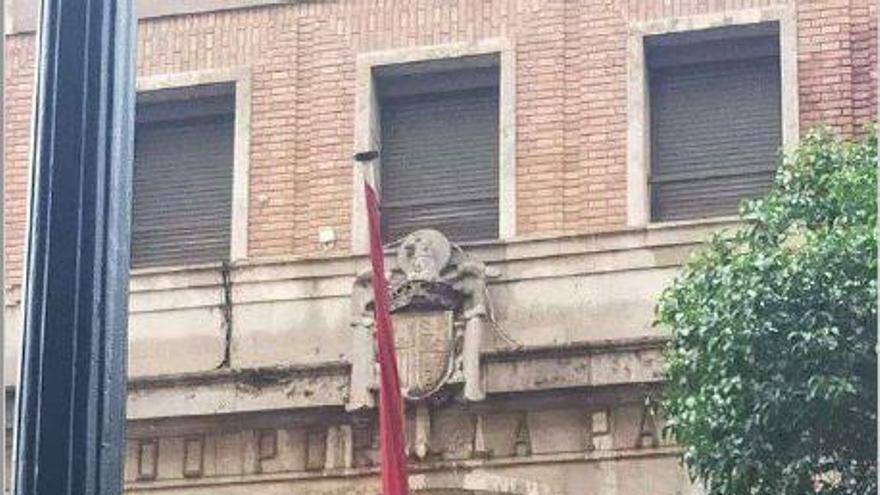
(391, 440)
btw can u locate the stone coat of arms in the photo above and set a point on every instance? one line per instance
(439, 312)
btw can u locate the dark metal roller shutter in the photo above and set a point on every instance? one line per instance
(440, 164)
(715, 133)
(182, 192)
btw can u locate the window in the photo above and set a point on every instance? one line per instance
(715, 117)
(439, 151)
(183, 174)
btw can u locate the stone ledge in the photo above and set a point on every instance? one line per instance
(591, 364)
(295, 312)
(463, 465)
(223, 392)
(238, 391)
(343, 267)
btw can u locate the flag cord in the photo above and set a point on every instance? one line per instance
(490, 310)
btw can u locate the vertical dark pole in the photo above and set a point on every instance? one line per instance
(71, 406)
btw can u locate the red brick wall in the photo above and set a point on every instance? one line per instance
(570, 83)
(18, 89)
(837, 63)
(863, 40)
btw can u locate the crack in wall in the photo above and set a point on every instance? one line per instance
(226, 308)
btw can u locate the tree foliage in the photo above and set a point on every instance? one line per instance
(771, 366)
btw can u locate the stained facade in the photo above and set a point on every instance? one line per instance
(566, 157)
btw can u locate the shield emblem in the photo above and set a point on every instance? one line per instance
(423, 342)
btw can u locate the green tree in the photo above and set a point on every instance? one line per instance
(771, 365)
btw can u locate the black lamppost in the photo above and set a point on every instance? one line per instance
(70, 413)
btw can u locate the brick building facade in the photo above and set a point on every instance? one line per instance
(241, 372)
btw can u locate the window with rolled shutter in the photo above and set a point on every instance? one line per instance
(439, 159)
(715, 113)
(182, 185)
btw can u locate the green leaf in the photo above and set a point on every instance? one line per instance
(771, 364)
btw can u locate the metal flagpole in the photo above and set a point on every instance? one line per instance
(391, 424)
(72, 384)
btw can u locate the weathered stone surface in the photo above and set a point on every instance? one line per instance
(627, 426)
(176, 341)
(610, 363)
(290, 332)
(290, 452)
(602, 288)
(526, 451)
(283, 388)
(539, 373)
(636, 366)
(577, 308)
(477, 481)
(561, 430)
(237, 392)
(452, 435)
(499, 431)
(226, 454)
